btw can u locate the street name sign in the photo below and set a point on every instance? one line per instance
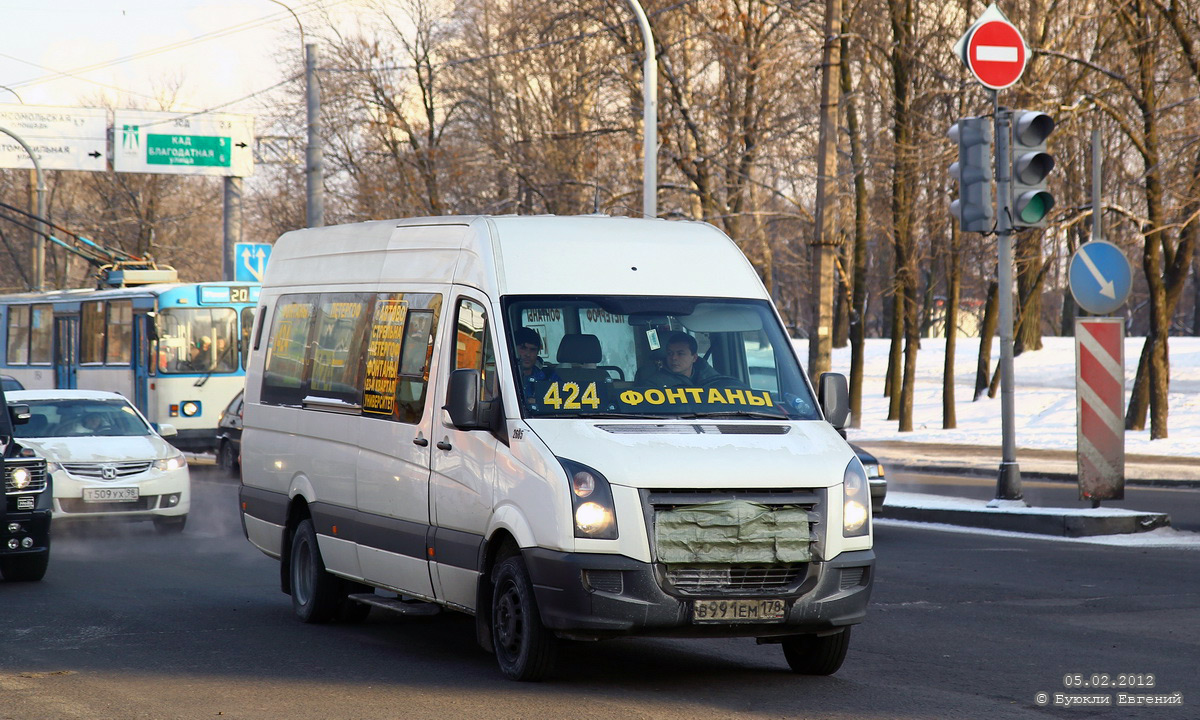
(172, 143)
(1100, 277)
(62, 138)
(993, 50)
(1100, 407)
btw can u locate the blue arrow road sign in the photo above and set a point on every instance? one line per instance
(250, 261)
(1100, 277)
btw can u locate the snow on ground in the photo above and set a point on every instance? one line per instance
(1045, 396)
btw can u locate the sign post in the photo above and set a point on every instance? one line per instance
(995, 53)
(1100, 278)
(1100, 408)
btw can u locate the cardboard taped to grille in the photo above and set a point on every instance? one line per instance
(733, 531)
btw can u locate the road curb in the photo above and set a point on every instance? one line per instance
(1026, 472)
(1037, 521)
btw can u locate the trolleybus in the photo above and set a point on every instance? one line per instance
(176, 350)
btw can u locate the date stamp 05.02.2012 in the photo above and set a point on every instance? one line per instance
(1109, 689)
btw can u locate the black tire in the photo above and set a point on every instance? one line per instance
(227, 458)
(816, 655)
(170, 525)
(316, 595)
(525, 649)
(25, 568)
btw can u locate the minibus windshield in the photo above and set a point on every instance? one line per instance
(657, 357)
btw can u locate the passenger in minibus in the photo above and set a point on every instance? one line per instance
(683, 365)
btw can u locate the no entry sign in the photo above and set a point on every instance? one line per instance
(994, 50)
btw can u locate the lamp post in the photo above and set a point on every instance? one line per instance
(649, 115)
(314, 154)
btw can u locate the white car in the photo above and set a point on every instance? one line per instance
(105, 459)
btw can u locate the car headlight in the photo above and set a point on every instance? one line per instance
(856, 501)
(171, 463)
(591, 502)
(19, 478)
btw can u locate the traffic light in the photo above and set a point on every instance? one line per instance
(1030, 166)
(973, 208)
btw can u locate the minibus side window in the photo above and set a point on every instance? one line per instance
(283, 374)
(341, 334)
(473, 346)
(399, 348)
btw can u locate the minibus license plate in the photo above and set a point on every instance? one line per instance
(129, 494)
(738, 611)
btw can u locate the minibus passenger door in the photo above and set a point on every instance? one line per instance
(392, 477)
(463, 459)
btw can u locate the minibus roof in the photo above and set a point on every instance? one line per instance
(522, 255)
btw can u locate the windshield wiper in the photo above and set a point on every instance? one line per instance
(600, 415)
(732, 414)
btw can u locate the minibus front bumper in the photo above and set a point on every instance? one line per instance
(590, 596)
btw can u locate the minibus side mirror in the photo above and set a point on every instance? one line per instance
(462, 399)
(834, 395)
(20, 414)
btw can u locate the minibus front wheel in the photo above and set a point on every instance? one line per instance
(525, 649)
(816, 654)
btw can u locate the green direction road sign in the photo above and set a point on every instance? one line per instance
(198, 150)
(214, 144)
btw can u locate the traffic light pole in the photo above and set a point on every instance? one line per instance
(1008, 485)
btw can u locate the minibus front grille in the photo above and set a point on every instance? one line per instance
(734, 579)
(733, 575)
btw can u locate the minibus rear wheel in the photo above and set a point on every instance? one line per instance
(525, 649)
(316, 595)
(816, 655)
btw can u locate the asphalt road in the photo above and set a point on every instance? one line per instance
(129, 624)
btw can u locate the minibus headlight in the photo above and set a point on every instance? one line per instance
(591, 502)
(583, 483)
(856, 501)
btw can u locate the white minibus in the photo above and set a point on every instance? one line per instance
(567, 427)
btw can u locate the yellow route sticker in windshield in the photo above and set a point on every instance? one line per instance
(569, 397)
(692, 395)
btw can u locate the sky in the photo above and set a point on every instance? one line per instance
(64, 52)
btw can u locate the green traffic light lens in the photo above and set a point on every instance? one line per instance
(1033, 211)
(1035, 207)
